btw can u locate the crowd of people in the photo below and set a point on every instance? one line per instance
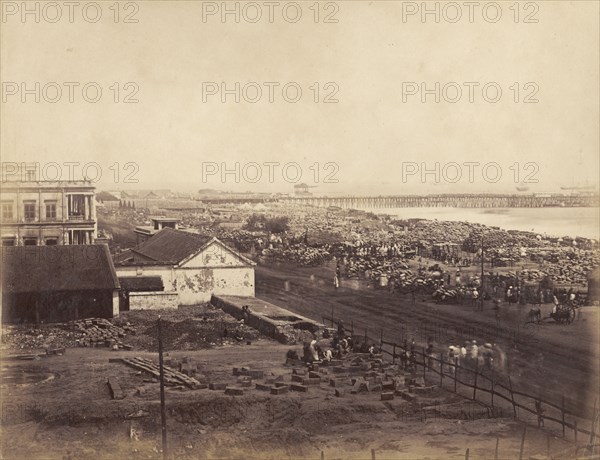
(380, 249)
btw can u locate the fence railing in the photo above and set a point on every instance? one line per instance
(455, 373)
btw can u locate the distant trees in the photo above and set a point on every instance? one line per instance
(277, 224)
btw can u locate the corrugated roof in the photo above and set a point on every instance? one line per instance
(171, 246)
(57, 268)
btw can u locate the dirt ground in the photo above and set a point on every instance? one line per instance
(71, 415)
(60, 407)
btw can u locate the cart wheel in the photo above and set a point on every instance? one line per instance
(571, 315)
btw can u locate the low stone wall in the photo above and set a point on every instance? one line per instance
(153, 300)
(273, 321)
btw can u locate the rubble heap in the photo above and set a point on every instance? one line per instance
(101, 332)
(92, 332)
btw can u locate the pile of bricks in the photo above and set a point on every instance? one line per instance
(100, 332)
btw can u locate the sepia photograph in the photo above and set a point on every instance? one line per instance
(303, 230)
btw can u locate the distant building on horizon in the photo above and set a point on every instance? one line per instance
(303, 189)
(143, 232)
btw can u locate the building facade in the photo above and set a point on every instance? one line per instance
(191, 268)
(37, 213)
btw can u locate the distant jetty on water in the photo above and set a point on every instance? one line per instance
(450, 201)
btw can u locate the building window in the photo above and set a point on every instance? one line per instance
(51, 241)
(76, 207)
(30, 241)
(51, 210)
(7, 211)
(29, 211)
(8, 241)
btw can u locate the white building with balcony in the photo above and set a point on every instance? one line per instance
(37, 212)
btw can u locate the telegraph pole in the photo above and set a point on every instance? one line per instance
(481, 288)
(163, 411)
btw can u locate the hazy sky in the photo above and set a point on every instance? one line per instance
(372, 61)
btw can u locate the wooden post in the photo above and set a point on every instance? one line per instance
(467, 454)
(522, 442)
(563, 414)
(475, 385)
(322, 455)
(496, 450)
(548, 446)
(575, 429)
(441, 368)
(455, 373)
(372, 454)
(595, 416)
(512, 398)
(163, 410)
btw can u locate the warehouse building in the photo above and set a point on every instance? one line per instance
(58, 283)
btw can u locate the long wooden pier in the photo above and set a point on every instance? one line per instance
(448, 200)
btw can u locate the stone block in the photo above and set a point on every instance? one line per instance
(256, 374)
(298, 387)
(244, 381)
(263, 387)
(375, 388)
(217, 386)
(332, 382)
(339, 393)
(362, 387)
(297, 378)
(424, 390)
(279, 390)
(387, 396)
(115, 389)
(314, 375)
(388, 385)
(406, 395)
(233, 391)
(312, 381)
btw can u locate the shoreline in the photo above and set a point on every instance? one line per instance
(550, 222)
